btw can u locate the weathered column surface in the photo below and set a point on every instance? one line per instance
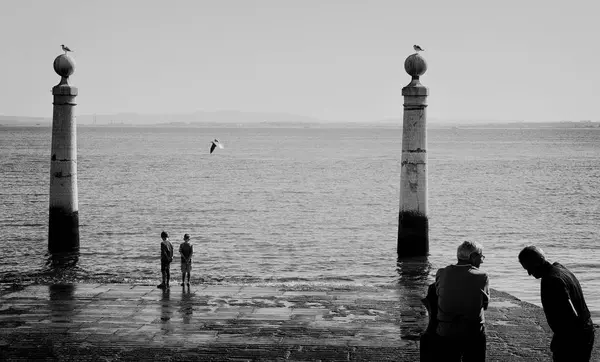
(63, 226)
(413, 224)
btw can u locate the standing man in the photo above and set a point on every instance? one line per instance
(166, 257)
(566, 312)
(186, 250)
(463, 294)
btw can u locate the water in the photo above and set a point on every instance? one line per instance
(304, 205)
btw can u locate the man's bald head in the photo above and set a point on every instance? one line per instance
(532, 259)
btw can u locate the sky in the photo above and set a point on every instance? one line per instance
(333, 60)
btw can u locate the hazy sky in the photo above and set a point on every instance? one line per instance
(334, 60)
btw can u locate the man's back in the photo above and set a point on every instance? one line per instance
(166, 251)
(463, 293)
(186, 251)
(558, 287)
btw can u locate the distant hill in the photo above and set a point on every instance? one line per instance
(439, 123)
(271, 119)
(200, 117)
(16, 120)
(524, 124)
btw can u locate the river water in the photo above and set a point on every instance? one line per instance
(296, 205)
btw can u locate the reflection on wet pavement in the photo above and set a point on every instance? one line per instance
(375, 323)
(413, 274)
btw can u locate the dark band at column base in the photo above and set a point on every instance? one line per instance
(413, 234)
(63, 231)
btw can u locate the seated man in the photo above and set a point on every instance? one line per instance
(463, 294)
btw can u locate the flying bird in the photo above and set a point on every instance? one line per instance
(65, 48)
(418, 48)
(215, 144)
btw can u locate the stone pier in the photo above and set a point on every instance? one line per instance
(63, 226)
(413, 223)
(122, 322)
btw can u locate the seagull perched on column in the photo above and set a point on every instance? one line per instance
(418, 48)
(65, 48)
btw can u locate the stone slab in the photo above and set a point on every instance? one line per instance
(236, 322)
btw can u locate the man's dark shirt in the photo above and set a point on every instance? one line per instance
(186, 250)
(166, 251)
(558, 286)
(463, 294)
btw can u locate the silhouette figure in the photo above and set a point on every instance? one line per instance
(215, 144)
(65, 48)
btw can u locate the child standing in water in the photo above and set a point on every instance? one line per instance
(166, 257)
(186, 250)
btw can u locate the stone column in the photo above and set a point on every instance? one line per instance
(413, 224)
(63, 226)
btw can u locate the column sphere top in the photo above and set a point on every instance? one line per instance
(415, 65)
(64, 65)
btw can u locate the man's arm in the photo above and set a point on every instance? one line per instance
(163, 251)
(181, 252)
(485, 291)
(438, 275)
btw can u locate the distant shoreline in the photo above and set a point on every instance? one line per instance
(454, 126)
(249, 119)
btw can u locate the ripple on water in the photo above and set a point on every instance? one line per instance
(271, 210)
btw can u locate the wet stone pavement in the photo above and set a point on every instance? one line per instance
(110, 322)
